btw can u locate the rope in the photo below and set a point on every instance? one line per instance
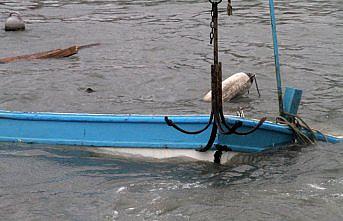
(262, 120)
(211, 140)
(217, 156)
(302, 124)
(258, 91)
(300, 136)
(172, 124)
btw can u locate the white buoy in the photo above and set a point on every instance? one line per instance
(235, 85)
(14, 22)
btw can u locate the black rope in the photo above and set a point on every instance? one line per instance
(253, 78)
(211, 140)
(217, 156)
(172, 124)
(230, 130)
(233, 129)
(215, 2)
(258, 91)
(219, 153)
(263, 119)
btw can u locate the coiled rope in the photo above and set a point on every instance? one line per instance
(304, 135)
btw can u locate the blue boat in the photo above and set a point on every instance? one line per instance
(216, 137)
(147, 136)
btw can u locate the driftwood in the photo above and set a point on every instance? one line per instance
(57, 53)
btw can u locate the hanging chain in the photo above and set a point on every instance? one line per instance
(229, 13)
(229, 8)
(212, 27)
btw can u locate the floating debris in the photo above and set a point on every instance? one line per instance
(56, 53)
(90, 90)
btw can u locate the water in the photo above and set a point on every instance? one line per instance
(154, 58)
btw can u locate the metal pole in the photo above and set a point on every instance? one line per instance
(216, 69)
(276, 56)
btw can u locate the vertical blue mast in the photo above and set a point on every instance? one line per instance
(276, 56)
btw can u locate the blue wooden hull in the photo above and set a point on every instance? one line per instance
(132, 131)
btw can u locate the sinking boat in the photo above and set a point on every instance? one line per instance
(215, 137)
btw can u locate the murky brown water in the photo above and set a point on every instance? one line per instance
(154, 58)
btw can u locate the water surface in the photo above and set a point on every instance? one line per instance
(154, 58)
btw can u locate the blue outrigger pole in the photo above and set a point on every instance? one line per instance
(288, 105)
(276, 56)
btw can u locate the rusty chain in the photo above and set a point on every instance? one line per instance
(229, 13)
(229, 8)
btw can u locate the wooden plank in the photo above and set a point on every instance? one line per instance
(56, 53)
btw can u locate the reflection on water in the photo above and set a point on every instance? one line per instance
(154, 58)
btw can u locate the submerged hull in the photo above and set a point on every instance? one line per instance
(147, 136)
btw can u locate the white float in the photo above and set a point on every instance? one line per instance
(234, 86)
(14, 22)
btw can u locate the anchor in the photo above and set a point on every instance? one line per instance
(217, 118)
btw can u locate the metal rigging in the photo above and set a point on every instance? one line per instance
(217, 118)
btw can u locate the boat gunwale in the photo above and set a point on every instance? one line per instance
(133, 118)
